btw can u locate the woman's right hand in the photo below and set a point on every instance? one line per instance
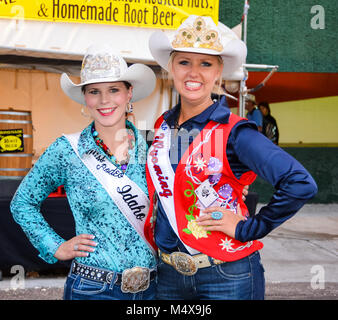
(79, 246)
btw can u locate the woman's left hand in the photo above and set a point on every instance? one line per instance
(227, 224)
(245, 192)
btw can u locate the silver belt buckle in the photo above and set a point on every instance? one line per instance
(183, 263)
(135, 280)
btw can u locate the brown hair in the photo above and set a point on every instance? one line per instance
(126, 83)
(265, 104)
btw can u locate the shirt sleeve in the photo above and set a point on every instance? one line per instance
(293, 184)
(46, 175)
(257, 117)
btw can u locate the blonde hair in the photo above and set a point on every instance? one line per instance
(217, 89)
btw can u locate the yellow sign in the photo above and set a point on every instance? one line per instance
(11, 140)
(164, 14)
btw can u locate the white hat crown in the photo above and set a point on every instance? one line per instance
(200, 34)
(100, 63)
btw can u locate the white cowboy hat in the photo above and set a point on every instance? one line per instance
(101, 64)
(200, 35)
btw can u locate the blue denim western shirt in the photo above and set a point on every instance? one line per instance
(256, 116)
(247, 149)
(119, 245)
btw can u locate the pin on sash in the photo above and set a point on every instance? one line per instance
(206, 193)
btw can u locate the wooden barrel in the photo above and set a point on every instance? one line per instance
(16, 142)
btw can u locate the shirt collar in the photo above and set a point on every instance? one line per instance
(218, 112)
(86, 140)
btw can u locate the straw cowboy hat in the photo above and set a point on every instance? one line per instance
(251, 98)
(101, 64)
(200, 35)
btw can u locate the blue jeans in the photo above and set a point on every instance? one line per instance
(238, 280)
(80, 288)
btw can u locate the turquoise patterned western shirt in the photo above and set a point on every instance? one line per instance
(119, 245)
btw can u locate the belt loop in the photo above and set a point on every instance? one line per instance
(113, 281)
(211, 260)
(71, 268)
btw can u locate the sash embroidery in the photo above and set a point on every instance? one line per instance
(125, 193)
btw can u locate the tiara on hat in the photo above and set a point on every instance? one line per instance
(197, 36)
(100, 66)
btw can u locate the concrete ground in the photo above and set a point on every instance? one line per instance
(301, 256)
(300, 260)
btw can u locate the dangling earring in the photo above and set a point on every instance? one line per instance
(129, 112)
(84, 114)
(129, 108)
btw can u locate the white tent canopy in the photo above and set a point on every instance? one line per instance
(69, 41)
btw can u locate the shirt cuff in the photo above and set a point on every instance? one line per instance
(238, 230)
(49, 249)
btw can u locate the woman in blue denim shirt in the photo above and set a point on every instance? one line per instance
(103, 171)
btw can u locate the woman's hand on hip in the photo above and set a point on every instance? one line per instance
(245, 192)
(79, 246)
(227, 224)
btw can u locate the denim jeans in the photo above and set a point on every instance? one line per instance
(238, 280)
(80, 288)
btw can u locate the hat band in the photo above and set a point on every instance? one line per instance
(113, 74)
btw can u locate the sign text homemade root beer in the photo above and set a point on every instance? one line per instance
(164, 14)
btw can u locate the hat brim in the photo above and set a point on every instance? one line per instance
(141, 77)
(233, 54)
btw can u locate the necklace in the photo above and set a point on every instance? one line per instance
(131, 144)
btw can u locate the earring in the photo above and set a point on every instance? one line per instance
(129, 108)
(129, 112)
(84, 114)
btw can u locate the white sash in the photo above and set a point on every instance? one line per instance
(163, 175)
(125, 193)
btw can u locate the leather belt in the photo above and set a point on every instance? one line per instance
(131, 280)
(187, 264)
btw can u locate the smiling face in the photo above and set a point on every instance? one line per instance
(194, 76)
(106, 102)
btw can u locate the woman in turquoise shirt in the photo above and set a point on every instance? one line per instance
(103, 171)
